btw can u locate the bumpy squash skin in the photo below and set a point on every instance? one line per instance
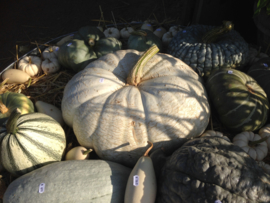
(71, 181)
(142, 43)
(211, 168)
(14, 100)
(89, 32)
(239, 108)
(107, 45)
(39, 140)
(230, 51)
(75, 55)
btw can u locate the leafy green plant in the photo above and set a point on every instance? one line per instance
(261, 4)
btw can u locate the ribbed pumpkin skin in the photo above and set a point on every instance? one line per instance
(229, 51)
(40, 140)
(14, 100)
(116, 119)
(239, 107)
(142, 43)
(94, 181)
(75, 55)
(260, 71)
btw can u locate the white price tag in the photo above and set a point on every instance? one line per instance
(230, 71)
(136, 180)
(101, 80)
(265, 65)
(41, 188)
(69, 44)
(57, 48)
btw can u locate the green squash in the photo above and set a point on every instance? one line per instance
(89, 34)
(208, 169)
(260, 71)
(239, 101)
(206, 52)
(142, 40)
(11, 100)
(30, 141)
(71, 181)
(107, 45)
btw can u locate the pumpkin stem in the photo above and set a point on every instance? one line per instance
(12, 121)
(254, 143)
(134, 77)
(3, 107)
(214, 34)
(148, 150)
(30, 60)
(91, 42)
(87, 151)
(139, 32)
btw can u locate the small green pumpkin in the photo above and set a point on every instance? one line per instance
(31, 141)
(239, 101)
(11, 100)
(89, 34)
(107, 45)
(142, 40)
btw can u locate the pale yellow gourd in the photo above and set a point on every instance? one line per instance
(78, 153)
(112, 32)
(141, 186)
(265, 132)
(30, 64)
(15, 76)
(50, 65)
(50, 110)
(252, 144)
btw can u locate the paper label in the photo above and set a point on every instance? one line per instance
(230, 71)
(265, 64)
(41, 188)
(69, 44)
(158, 29)
(136, 180)
(101, 80)
(218, 201)
(57, 48)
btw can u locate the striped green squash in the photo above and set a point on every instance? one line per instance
(11, 100)
(31, 141)
(239, 101)
(94, 181)
(260, 71)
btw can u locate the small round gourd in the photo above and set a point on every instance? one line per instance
(160, 31)
(50, 65)
(112, 32)
(252, 144)
(30, 64)
(125, 32)
(147, 26)
(175, 29)
(50, 52)
(78, 153)
(15, 76)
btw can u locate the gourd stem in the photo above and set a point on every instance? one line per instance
(12, 121)
(148, 150)
(215, 33)
(30, 60)
(91, 42)
(3, 108)
(254, 143)
(134, 77)
(87, 151)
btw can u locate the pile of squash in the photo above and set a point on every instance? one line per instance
(145, 111)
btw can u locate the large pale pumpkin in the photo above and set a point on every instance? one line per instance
(116, 115)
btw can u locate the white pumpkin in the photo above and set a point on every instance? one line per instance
(78, 153)
(265, 132)
(112, 32)
(256, 151)
(175, 29)
(50, 52)
(50, 66)
(64, 40)
(30, 64)
(160, 32)
(117, 118)
(147, 26)
(125, 32)
(166, 38)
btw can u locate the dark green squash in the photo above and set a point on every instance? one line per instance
(260, 71)
(205, 52)
(89, 34)
(142, 40)
(208, 169)
(107, 45)
(241, 104)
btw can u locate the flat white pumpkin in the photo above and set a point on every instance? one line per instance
(160, 31)
(30, 64)
(50, 66)
(257, 151)
(50, 52)
(117, 119)
(112, 32)
(265, 132)
(125, 32)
